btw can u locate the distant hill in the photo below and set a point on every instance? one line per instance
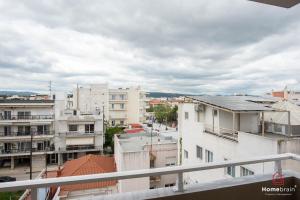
(19, 93)
(166, 95)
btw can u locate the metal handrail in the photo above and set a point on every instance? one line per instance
(35, 133)
(26, 117)
(35, 184)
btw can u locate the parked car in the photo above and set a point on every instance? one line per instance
(7, 179)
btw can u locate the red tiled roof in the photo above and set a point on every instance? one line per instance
(136, 125)
(136, 130)
(89, 164)
(278, 94)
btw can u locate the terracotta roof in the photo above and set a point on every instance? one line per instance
(136, 130)
(89, 164)
(135, 126)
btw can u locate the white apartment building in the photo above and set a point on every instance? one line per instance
(141, 151)
(77, 132)
(220, 128)
(22, 121)
(121, 106)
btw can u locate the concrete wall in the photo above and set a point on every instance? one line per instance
(192, 133)
(249, 122)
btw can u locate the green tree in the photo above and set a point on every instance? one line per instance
(109, 136)
(172, 115)
(161, 113)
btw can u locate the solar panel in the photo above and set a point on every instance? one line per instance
(234, 103)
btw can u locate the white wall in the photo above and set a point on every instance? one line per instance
(247, 146)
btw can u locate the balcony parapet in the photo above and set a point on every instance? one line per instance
(26, 117)
(43, 183)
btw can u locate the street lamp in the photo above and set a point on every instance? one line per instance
(280, 3)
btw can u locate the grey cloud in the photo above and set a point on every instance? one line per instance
(184, 46)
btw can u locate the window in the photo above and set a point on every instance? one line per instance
(121, 122)
(245, 172)
(113, 122)
(73, 127)
(230, 171)
(170, 185)
(186, 154)
(122, 96)
(89, 128)
(209, 156)
(186, 115)
(7, 114)
(7, 130)
(122, 106)
(24, 115)
(42, 129)
(170, 161)
(113, 97)
(199, 152)
(215, 112)
(112, 106)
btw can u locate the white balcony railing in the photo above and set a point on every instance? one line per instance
(179, 170)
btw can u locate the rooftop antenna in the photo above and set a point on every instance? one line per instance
(50, 89)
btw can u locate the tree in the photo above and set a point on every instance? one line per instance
(161, 113)
(109, 136)
(172, 115)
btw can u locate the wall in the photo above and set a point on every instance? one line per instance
(192, 133)
(249, 122)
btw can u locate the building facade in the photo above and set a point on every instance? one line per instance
(217, 129)
(121, 106)
(25, 124)
(143, 151)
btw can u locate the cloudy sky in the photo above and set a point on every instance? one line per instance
(190, 46)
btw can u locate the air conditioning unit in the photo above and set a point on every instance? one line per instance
(199, 107)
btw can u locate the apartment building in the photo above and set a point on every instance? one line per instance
(145, 151)
(222, 128)
(121, 106)
(26, 123)
(77, 132)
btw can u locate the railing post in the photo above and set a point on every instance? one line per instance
(180, 182)
(278, 167)
(34, 194)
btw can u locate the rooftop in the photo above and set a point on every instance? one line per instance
(137, 142)
(89, 164)
(237, 103)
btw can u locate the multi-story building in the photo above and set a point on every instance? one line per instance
(145, 151)
(127, 106)
(121, 106)
(77, 132)
(25, 124)
(220, 128)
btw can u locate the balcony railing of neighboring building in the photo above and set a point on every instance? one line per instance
(25, 150)
(222, 132)
(34, 185)
(27, 117)
(14, 134)
(81, 133)
(81, 147)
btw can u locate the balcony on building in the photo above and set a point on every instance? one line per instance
(227, 116)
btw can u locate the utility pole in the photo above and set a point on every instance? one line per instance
(31, 139)
(50, 89)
